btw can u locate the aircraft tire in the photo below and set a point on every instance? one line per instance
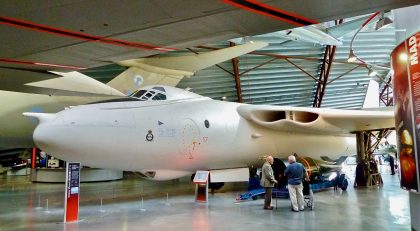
(344, 185)
(216, 186)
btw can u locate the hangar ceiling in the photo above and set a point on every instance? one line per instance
(85, 34)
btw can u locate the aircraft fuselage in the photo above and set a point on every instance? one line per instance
(177, 136)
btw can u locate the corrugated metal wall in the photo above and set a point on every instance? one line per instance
(281, 83)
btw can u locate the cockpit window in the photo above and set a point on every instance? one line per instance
(159, 89)
(148, 95)
(159, 96)
(139, 93)
(156, 93)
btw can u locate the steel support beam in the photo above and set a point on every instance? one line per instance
(301, 69)
(235, 64)
(259, 65)
(324, 74)
(386, 94)
(367, 142)
(345, 73)
(360, 142)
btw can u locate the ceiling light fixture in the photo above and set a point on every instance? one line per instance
(372, 73)
(382, 22)
(352, 55)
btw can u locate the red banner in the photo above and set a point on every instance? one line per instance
(406, 69)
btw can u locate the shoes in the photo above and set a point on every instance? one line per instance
(301, 209)
(269, 208)
(295, 210)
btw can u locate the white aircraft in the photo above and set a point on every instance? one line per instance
(22, 90)
(166, 133)
(308, 34)
(315, 34)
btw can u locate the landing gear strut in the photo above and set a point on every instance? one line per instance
(367, 141)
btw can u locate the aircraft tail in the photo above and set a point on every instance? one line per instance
(170, 70)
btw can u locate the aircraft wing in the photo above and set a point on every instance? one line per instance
(170, 70)
(76, 82)
(317, 120)
(53, 83)
(342, 29)
(141, 72)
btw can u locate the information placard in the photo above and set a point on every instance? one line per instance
(201, 177)
(201, 180)
(71, 211)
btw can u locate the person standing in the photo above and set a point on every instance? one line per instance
(392, 164)
(295, 173)
(268, 181)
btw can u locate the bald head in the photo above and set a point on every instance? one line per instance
(269, 159)
(291, 159)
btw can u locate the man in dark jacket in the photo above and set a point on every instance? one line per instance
(392, 164)
(295, 173)
(268, 181)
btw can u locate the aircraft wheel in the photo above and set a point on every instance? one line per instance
(216, 186)
(344, 185)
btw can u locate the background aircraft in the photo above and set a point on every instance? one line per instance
(315, 34)
(166, 133)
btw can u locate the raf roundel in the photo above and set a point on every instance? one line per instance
(149, 136)
(138, 80)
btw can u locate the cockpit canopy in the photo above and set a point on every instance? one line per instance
(155, 93)
(163, 93)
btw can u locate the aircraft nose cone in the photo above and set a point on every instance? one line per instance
(44, 137)
(50, 138)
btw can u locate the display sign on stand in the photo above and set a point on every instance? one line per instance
(201, 180)
(406, 67)
(71, 211)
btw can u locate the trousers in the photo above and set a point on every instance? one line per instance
(267, 197)
(296, 196)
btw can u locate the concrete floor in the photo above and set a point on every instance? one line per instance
(171, 206)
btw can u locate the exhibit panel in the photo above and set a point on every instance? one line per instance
(407, 109)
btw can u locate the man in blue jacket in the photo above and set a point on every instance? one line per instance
(295, 173)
